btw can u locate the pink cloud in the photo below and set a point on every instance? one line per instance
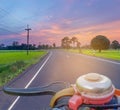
(54, 33)
(110, 30)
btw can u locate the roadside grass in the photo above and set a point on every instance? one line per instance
(12, 63)
(109, 54)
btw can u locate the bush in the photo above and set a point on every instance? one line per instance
(8, 72)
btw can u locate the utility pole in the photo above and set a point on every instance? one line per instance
(28, 29)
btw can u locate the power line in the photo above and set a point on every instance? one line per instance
(2, 26)
(5, 29)
(9, 31)
(11, 14)
(13, 22)
(2, 14)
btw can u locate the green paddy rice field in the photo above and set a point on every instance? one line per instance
(108, 54)
(12, 63)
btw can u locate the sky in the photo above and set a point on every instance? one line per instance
(51, 20)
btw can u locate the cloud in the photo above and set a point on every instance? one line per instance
(55, 33)
(110, 30)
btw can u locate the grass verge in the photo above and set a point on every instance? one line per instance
(108, 54)
(12, 63)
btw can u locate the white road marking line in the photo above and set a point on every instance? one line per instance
(109, 61)
(12, 105)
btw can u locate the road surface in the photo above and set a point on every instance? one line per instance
(58, 65)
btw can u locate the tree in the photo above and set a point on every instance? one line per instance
(43, 46)
(115, 44)
(78, 46)
(74, 40)
(2, 46)
(23, 46)
(100, 42)
(15, 43)
(54, 45)
(65, 42)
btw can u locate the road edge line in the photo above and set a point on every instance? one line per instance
(98, 58)
(13, 104)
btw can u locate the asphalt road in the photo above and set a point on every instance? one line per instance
(58, 65)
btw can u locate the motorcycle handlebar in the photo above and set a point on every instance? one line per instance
(29, 91)
(47, 90)
(35, 91)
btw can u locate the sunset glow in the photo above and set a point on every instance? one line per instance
(52, 20)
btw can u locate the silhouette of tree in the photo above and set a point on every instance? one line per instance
(2, 46)
(115, 44)
(100, 42)
(74, 40)
(66, 42)
(78, 46)
(54, 45)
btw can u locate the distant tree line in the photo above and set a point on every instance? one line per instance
(67, 43)
(17, 46)
(99, 42)
(115, 45)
